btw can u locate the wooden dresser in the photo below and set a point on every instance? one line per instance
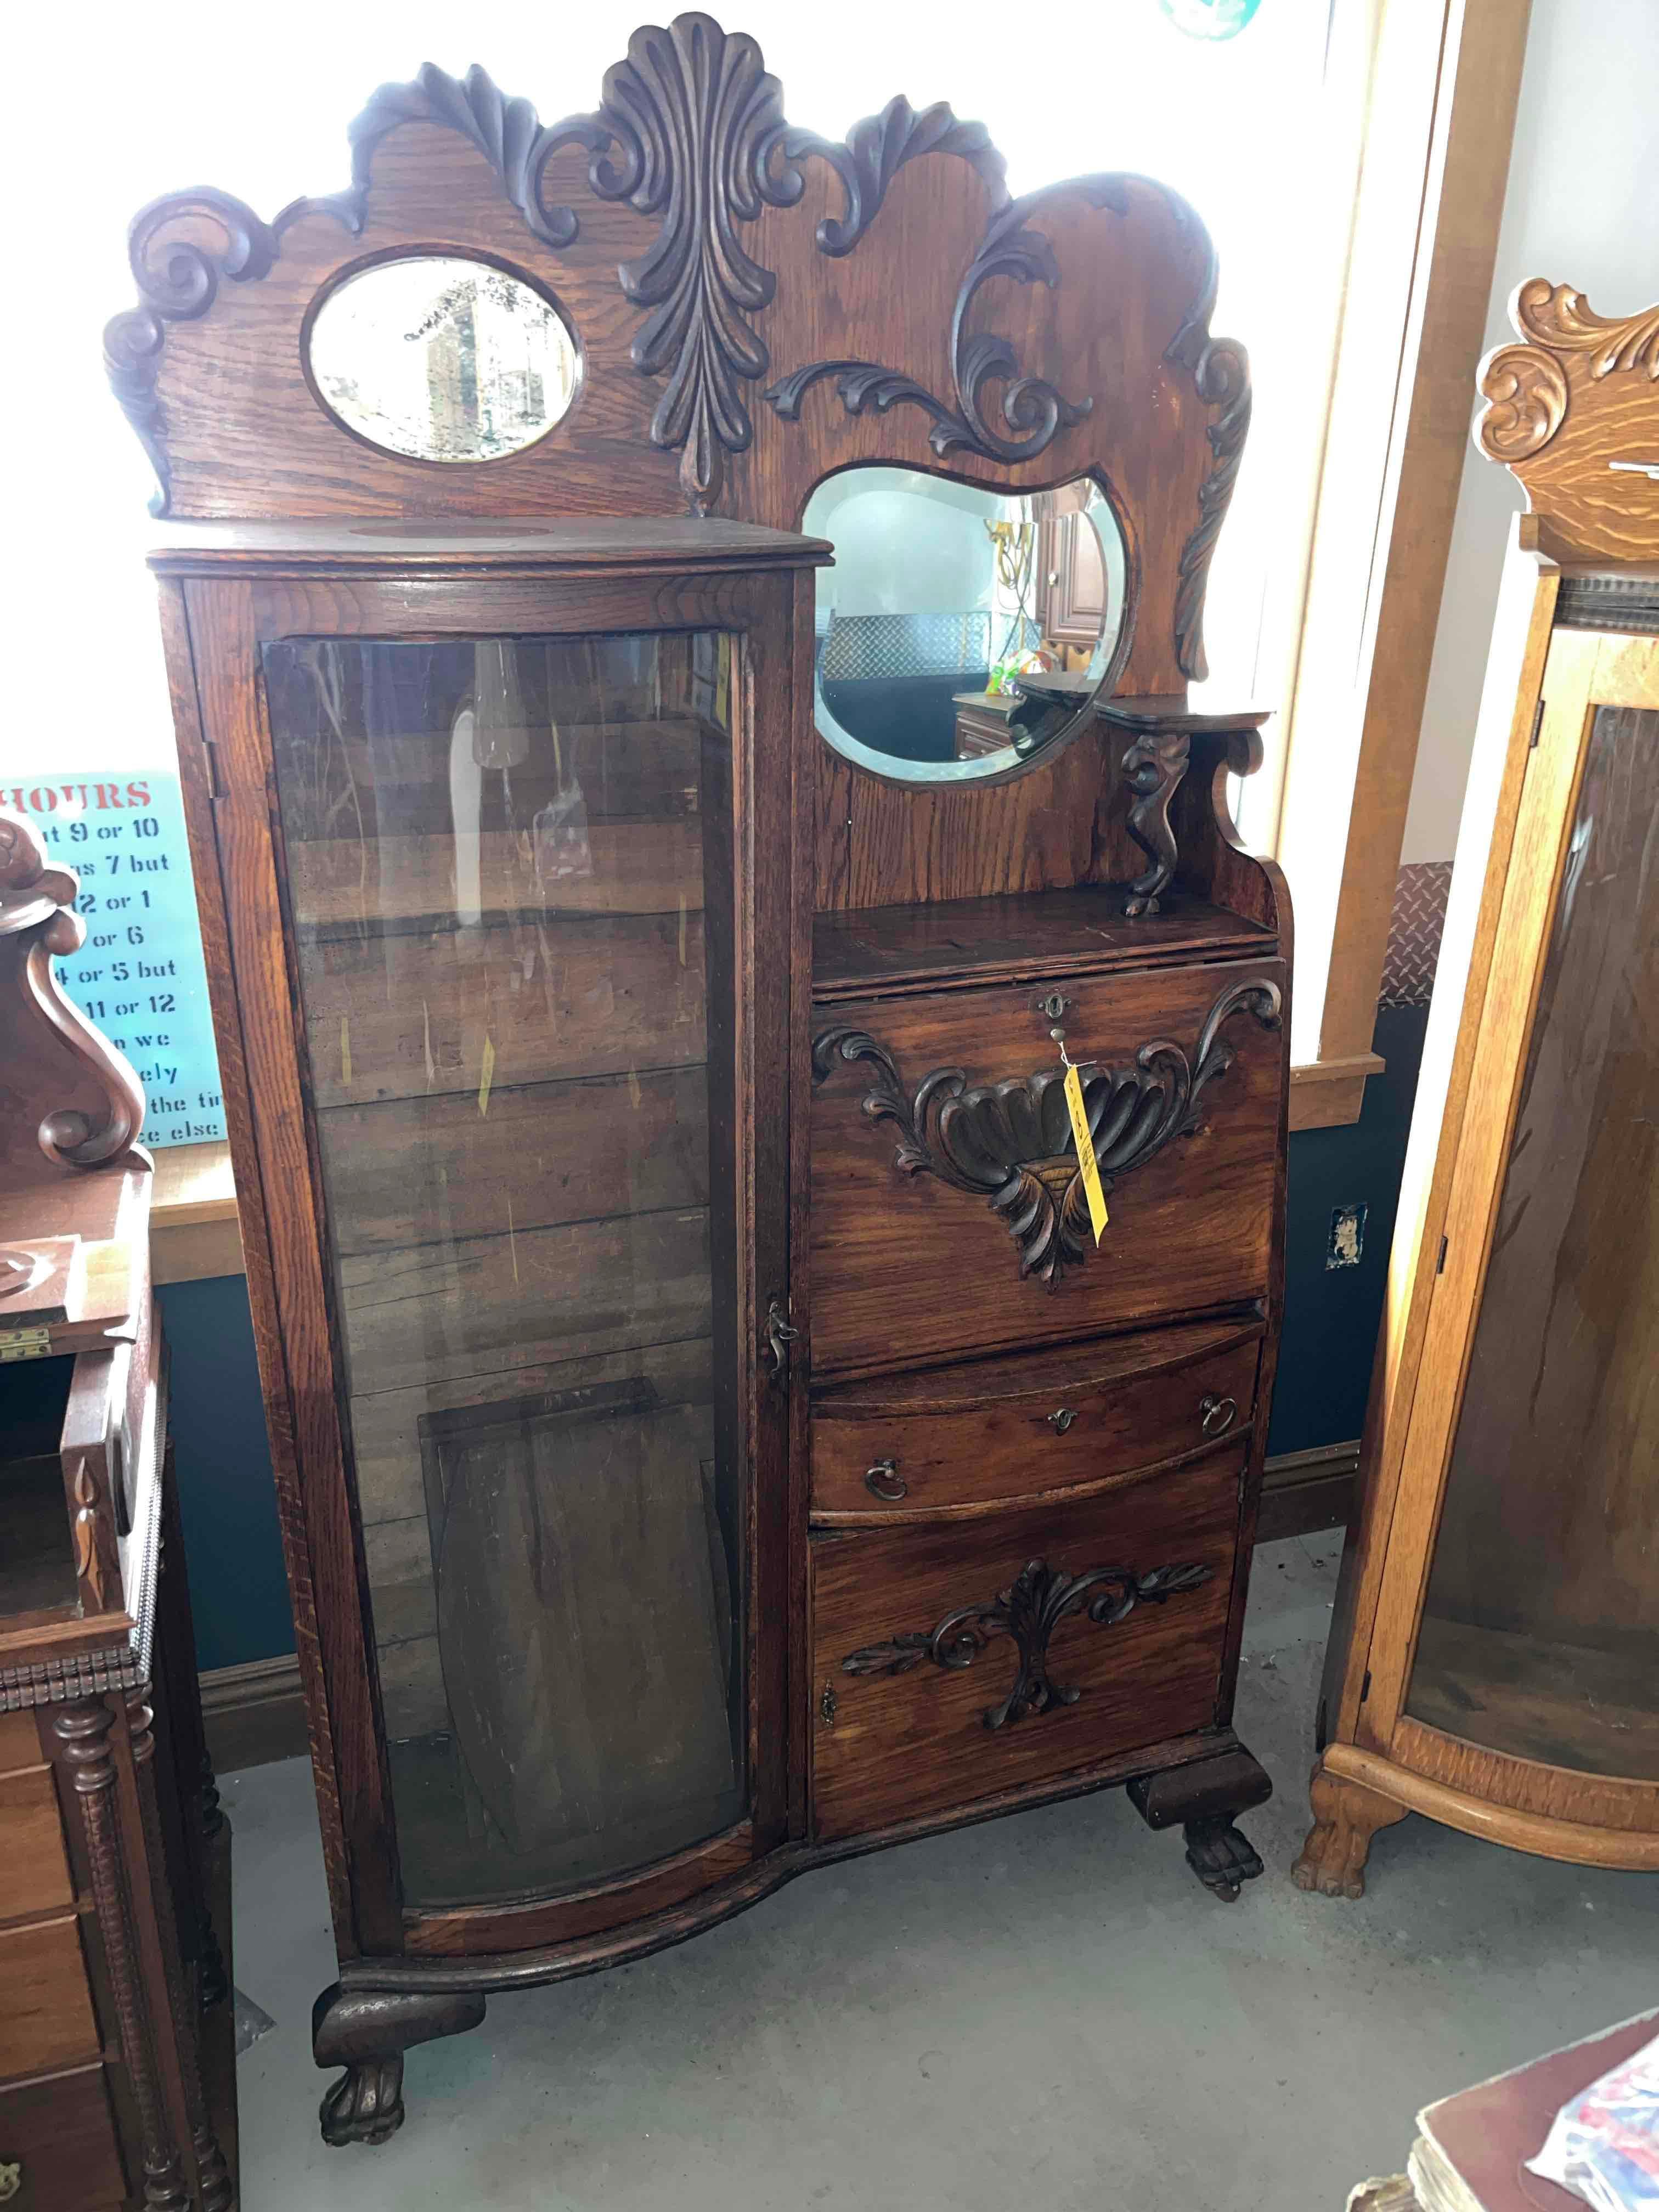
(115, 1987)
(664, 1075)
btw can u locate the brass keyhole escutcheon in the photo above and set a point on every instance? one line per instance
(1061, 1420)
(827, 1706)
(1215, 1415)
(1053, 1004)
(885, 1481)
(11, 2180)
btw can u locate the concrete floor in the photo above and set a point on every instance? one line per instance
(1045, 2010)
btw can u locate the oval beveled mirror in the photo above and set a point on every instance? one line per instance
(960, 629)
(442, 358)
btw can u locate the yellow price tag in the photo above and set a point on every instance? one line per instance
(1085, 1150)
(486, 1075)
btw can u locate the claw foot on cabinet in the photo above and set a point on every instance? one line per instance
(1206, 1797)
(1347, 1816)
(366, 2031)
(1223, 1859)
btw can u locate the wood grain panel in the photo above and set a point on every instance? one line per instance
(20, 1742)
(416, 1170)
(1064, 932)
(61, 2133)
(629, 771)
(981, 1449)
(395, 1017)
(443, 1311)
(907, 1269)
(46, 2019)
(342, 885)
(384, 1423)
(32, 1844)
(899, 1745)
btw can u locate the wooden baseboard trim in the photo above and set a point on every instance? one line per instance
(256, 1713)
(1304, 1491)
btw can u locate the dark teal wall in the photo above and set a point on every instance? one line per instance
(1331, 1315)
(238, 1591)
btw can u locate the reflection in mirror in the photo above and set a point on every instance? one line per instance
(960, 628)
(442, 359)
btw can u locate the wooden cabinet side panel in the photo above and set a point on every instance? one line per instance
(1514, 674)
(1583, 669)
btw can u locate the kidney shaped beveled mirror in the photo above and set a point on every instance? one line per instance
(960, 629)
(442, 358)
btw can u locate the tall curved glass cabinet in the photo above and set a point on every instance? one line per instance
(1496, 1660)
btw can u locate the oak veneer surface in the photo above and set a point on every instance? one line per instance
(902, 1744)
(1191, 1229)
(1063, 1436)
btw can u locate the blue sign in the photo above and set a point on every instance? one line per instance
(140, 975)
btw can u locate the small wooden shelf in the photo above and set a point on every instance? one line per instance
(1083, 931)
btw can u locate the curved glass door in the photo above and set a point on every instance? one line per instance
(505, 860)
(1539, 1635)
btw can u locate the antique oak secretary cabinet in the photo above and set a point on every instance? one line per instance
(709, 1438)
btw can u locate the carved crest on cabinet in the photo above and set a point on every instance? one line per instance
(1011, 1142)
(1028, 1611)
(691, 133)
(1569, 412)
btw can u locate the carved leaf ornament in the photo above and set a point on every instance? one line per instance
(1011, 1142)
(1028, 1611)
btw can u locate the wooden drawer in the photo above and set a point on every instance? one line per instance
(47, 2018)
(908, 1732)
(939, 1206)
(60, 2134)
(967, 1438)
(32, 1845)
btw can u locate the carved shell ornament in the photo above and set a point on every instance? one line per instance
(1011, 1142)
(1525, 386)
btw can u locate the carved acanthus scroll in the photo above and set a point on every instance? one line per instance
(1526, 388)
(1028, 1611)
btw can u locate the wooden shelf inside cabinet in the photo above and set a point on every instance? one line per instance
(1078, 931)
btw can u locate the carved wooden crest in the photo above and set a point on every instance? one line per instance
(755, 306)
(1574, 413)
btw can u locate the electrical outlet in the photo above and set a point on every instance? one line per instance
(1347, 1237)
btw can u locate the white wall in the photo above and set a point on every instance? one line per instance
(1582, 208)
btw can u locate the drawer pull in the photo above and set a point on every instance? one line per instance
(1010, 1142)
(885, 1481)
(1060, 1420)
(1217, 1415)
(1028, 1611)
